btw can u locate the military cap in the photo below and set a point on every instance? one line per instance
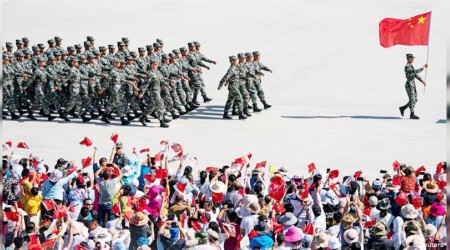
(90, 56)
(9, 45)
(40, 59)
(56, 52)
(233, 57)
(41, 46)
(256, 53)
(34, 47)
(410, 55)
(133, 53)
(156, 45)
(26, 52)
(82, 57)
(171, 55)
(70, 48)
(165, 56)
(129, 57)
(120, 43)
(160, 41)
(73, 59)
(64, 52)
(241, 55)
(50, 58)
(90, 38)
(191, 44)
(140, 49)
(18, 53)
(248, 54)
(48, 53)
(25, 40)
(176, 51)
(149, 47)
(19, 41)
(197, 43)
(125, 39)
(116, 60)
(5, 57)
(77, 46)
(102, 48)
(50, 41)
(87, 43)
(153, 61)
(110, 46)
(57, 38)
(183, 49)
(96, 52)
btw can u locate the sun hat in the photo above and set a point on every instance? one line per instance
(321, 240)
(373, 200)
(437, 209)
(351, 236)
(431, 186)
(292, 235)
(218, 187)
(409, 212)
(139, 219)
(247, 200)
(288, 219)
(103, 236)
(379, 230)
(55, 176)
(384, 204)
(126, 170)
(254, 207)
(334, 243)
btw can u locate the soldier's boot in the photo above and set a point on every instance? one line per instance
(124, 121)
(255, 108)
(14, 116)
(413, 116)
(100, 111)
(247, 113)
(73, 113)
(206, 98)
(130, 117)
(21, 112)
(142, 119)
(30, 114)
(194, 100)
(249, 106)
(105, 118)
(84, 118)
(153, 114)
(242, 116)
(41, 112)
(402, 110)
(181, 111)
(174, 115)
(194, 105)
(146, 119)
(50, 117)
(136, 113)
(266, 105)
(93, 115)
(226, 116)
(163, 124)
(110, 117)
(188, 108)
(234, 112)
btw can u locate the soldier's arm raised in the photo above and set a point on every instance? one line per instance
(263, 67)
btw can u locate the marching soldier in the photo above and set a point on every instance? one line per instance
(39, 78)
(231, 79)
(21, 75)
(26, 42)
(53, 86)
(58, 41)
(92, 41)
(9, 94)
(121, 54)
(196, 78)
(410, 86)
(251, 72)
(257, 82)
(184, 66)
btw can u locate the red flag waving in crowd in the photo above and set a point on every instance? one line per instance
(411, 31)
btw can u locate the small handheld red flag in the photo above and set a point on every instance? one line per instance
(395, 165)
(217, 197)
(176, 147)
(49, 243)
(357, 174)
(419, 170)
(397, 181)
(211, 169)
(157, 158)
(86, 141)
(22, 145)
(86, 162)
(181, 186)
(411, 31)
(311, 167)
(260, 165)
(333, 174)
(9, 143)
(12, 216)
(114, 137)
(150, 177)
(144, 150)
(309, 229)
(439, 168)
(370, 223)
(249, 155)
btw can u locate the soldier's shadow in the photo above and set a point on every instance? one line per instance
(212, 112)
(345, 116)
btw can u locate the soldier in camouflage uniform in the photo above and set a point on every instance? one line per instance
(178, 93)
(26, 42)
(9, 49)
(121, 53)
(168, 93)
(157, 51)
(40, 78)
(183, 65)
(78, 49)
(9, 97)
(85, 87)
(111, 55)
(259, 66)
(231, 79)
(118, 86)
(74, 83)
(410, 85)
(242, 87)
(87, 48)
(21, 75)
(251, 73)
(154, 84)
(132, 74)
(58, 41)
(53, 86)
(19, 45)
(126, 42)
(92, 41)
(196, 79)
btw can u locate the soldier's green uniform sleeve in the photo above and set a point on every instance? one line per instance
(263, 67)
(204, 58)
(225, 78)
(411, 73)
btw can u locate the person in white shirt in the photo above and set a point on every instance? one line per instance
(249, 221)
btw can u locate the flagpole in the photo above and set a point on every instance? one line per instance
(428, 52)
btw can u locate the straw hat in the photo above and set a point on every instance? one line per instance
(351, 236)
(139, 219)
(218, 187)
(408, 211)
(321, 240)
(431, 186)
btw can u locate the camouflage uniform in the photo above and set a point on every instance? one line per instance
(174, 74)
(258, 67)
(165, 93)
(84, 90)
(74, 81)
(410, 86)
(20, 82)
(234, 94)
(39, 78)
(153, 85)
(53, 81)
(9, 98)
(118, 89)
(196, 79)
(250, 84)
(183, 65)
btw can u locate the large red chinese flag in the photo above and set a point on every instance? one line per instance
(411, 31)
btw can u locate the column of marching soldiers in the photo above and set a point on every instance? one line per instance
(91, 83)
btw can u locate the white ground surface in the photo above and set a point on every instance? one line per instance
(335, 91)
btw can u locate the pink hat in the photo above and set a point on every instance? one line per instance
(292, 235)
(437, 209)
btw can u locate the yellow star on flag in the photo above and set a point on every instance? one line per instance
(421, 19)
